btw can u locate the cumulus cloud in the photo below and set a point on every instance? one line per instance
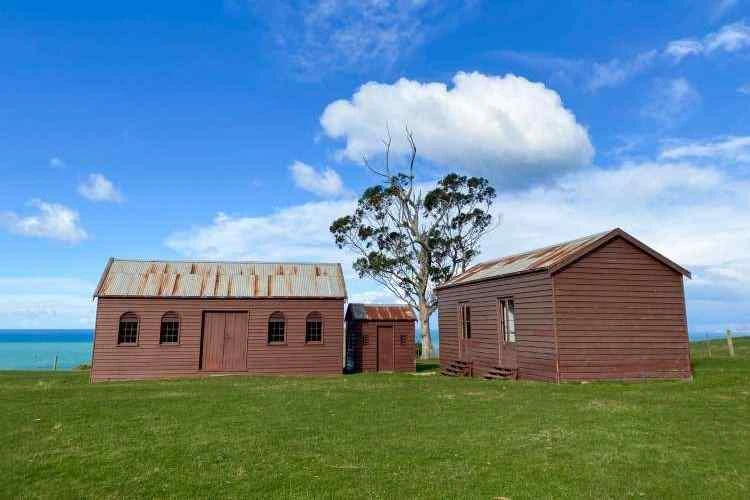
(320, 36)
(506, 127)
(730, 148)
(671, 101)
(320, 182)
(46, 302)
(99, 188)
(680, 49)
(53, 220)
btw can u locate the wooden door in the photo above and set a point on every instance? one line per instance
(385, 348)
(213, 341)
(506, 334)
(465, 340)
(224, 341)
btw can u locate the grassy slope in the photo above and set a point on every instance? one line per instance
(379, 436)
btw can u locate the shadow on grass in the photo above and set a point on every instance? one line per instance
(428, 365)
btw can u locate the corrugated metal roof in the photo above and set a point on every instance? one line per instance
(534, 260)
(380, 312)
(552, 258)
(136, 278)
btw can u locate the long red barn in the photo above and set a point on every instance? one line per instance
(601, 307)
(159, 319)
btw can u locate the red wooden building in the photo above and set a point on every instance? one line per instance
(169, 319)
(602, 307)
(380, 338)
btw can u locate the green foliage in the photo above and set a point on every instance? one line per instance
(410, 241)
(359, 436)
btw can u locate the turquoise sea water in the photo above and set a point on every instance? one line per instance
(36, 349)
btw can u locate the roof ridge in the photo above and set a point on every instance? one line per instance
(203, 261)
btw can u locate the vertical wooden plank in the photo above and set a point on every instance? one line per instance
(235, 342)
(385, 348)
(213, 340)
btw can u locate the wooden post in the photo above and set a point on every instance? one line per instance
(54, 365)
(708, 344)
(730, 343)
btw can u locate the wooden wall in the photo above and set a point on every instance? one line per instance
(532, 294)
(149, 359)
(366, 356)
(620, 313)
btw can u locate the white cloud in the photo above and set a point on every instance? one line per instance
(680, 49)
(671, 101)
(297, 233)
(506, 127)
(99, 188)
(730, 38)
(732, 148)
(322, 183)
(331, 35)
(616, 71)
(744, 89)
(53, 221)
(56, 162)
(51, 302)
(374, 296)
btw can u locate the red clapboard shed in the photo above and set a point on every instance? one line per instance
(159, 319)
(380, 338)
(605, 306)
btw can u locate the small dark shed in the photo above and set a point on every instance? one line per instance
(380, 338)
(158, 319)
(601, 307)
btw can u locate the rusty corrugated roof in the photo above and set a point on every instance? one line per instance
(139, 278)
(380, 312)
(552, 258)
(534, 260)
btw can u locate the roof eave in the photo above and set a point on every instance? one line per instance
(490, 278)
(102, 278)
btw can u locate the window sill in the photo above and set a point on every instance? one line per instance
(168, 344)
(275, 343)
(314, 342)
(128, 345)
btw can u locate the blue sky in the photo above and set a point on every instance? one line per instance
(234, 130)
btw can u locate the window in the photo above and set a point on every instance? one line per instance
(314, 328)
(365, 339)
(276, 328)
(128, 331)
(507, 319)
(402, 339)
(170, 329)
(464, 311)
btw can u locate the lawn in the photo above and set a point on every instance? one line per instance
(379, 436)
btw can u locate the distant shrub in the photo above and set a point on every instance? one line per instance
(83, 366)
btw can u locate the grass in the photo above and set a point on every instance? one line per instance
(379, 436)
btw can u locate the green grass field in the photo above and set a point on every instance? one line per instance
(379, 436)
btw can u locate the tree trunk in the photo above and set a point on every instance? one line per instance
(424, 324)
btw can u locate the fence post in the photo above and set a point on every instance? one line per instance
(54, 365)
(708, 344)
(730, 343)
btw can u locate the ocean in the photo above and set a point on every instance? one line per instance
(37, 349)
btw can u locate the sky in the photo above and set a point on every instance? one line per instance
(236, 129)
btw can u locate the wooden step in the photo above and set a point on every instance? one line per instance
(501, 373)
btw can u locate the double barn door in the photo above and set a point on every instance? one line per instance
(224, 341)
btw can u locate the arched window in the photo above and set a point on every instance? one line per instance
(276, 328)
(314, 328)
(170, 329)
(127, 334)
